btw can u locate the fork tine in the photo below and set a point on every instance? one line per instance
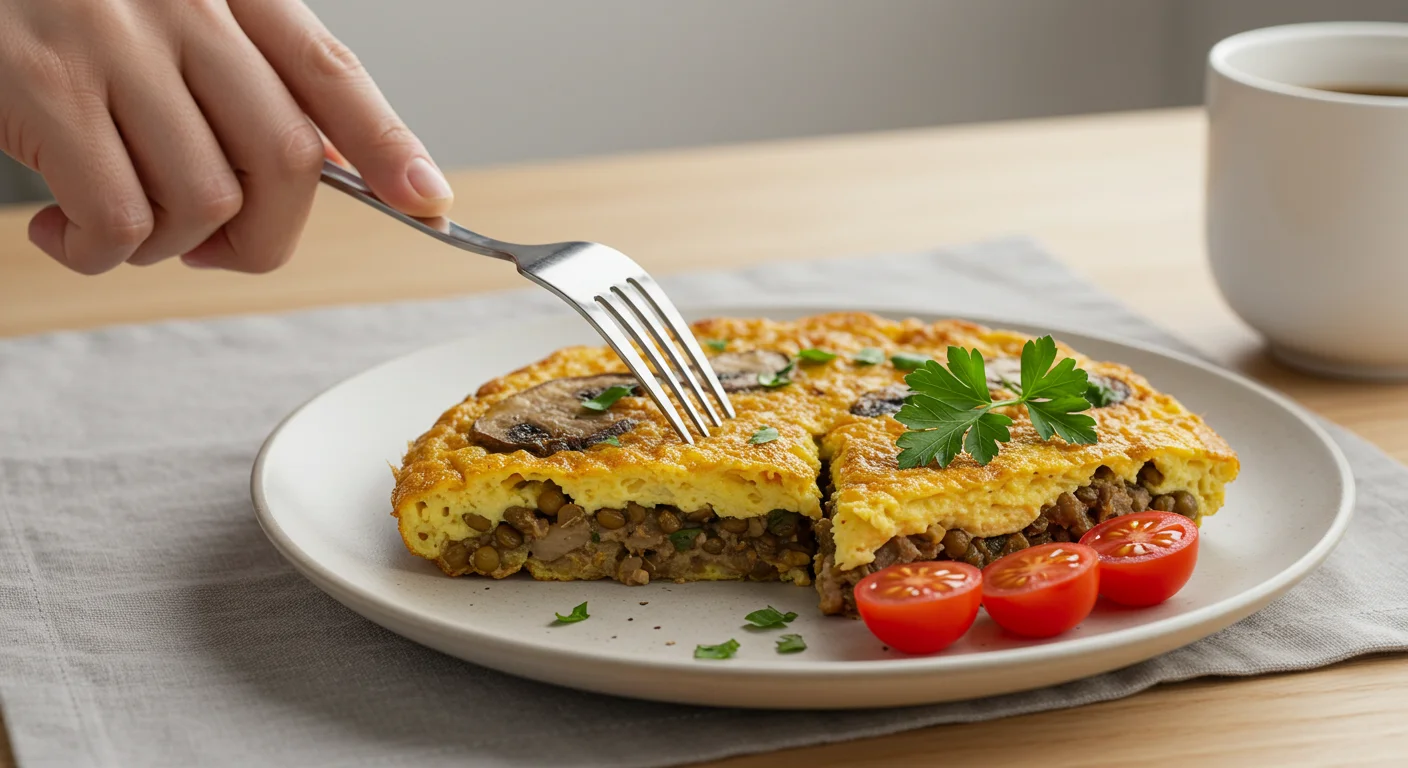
(600, 320)
(635, 300)
(625, 318)
(666, 310)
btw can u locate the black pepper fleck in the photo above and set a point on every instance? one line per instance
(657, 627)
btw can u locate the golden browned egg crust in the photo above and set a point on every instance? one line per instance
(449, 488)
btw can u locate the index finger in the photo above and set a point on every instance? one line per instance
(337, 92)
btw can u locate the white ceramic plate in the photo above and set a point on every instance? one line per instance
(321, 489)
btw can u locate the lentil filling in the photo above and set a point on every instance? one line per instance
(1068, 518)
(560, 541)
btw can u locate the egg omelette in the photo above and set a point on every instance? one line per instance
(521, 475)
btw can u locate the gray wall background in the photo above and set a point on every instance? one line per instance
(499, 81)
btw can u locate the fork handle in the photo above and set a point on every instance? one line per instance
(438, 227)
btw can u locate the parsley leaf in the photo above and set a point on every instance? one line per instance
(720, 651)
(870, 356)
(578, 614)
(1061, 416)
(608, 397)
(906, 361)
(791, 644)
(611, 440)
(941, 435)
(775, 379)
(952, 411)
(683, 539)
(1101, 394)
(770, 618)
(596, 537)
(718, 345)
(764, 435)
(814, 355)
(936, 382)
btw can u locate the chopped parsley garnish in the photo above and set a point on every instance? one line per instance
(775, 379)
(578, 614)
(764, 435)
(906, 361)
(870, 356)
(814, 355)
(612, 440)
(770, 618)
(1100, 394)
(608, 397)
(952, 411)
(791, 644)
(720, 651)
(718, 345)
(683, 539)
(596, 537)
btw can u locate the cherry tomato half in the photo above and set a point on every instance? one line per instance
(1145, 557)
(1042, 591)
(920, 607)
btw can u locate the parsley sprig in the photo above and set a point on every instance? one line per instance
(775, 379)
(952, 411)
(724, 650)
(791, 644)
(869, 356)
(608, 397)
(770, 618)
(814, 355)
(764, 435)
(578, 614)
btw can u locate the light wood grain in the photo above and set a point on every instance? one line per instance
(1116, 197)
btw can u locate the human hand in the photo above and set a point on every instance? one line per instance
(187, 128)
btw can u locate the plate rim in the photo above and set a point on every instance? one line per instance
(1238, 606)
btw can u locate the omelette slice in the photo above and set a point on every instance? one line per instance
(1152, 453)
(525, 475)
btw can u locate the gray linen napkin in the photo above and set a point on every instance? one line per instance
(145, 621)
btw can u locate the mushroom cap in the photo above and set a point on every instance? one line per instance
(881, 402)
(1117, 386)
(738, 371)
(549, 417)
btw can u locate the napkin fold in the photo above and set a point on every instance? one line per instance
(145, 620)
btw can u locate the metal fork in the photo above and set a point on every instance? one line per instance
(611, 291)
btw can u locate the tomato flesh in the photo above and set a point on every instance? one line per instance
(1145, 557)
(1042, 591)
(920, 607)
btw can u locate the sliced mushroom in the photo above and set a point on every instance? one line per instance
(549, 417)
(562, 538)
(881, 402)
(1003, 369)
(738, 371)
(1120, 389)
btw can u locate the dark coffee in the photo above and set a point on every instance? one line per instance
(1398, 91)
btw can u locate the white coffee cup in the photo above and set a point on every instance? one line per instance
(1307, 192)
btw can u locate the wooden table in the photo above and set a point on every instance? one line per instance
(1116, 197)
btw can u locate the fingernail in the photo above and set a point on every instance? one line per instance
(196, 262)
(427, 180)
